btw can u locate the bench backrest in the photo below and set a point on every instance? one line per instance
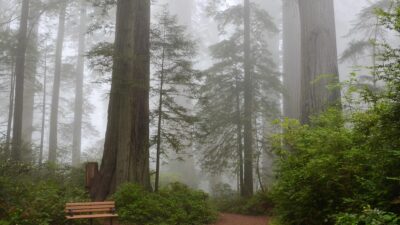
(89, 208)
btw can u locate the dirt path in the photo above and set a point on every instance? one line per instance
(230, 219)
(233, 219)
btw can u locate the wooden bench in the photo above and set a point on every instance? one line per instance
(91, 210)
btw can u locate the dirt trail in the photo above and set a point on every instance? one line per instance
(230, 219)
(233, 219)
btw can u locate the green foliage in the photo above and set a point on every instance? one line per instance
(332, 169)
(175, 204)
(368, 216)
(173, 81)
(227, 200)
(31, 195)
(336, 164)
(221, 94)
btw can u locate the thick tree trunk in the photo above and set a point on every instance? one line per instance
(56, 85)
(126, 148)
(291, 59)
(32, 60)
(17, 142)
(78, 110)
(318, 57)
(248, 106)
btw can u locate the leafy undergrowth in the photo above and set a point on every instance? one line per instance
(174, 204)
(32, 195)
(229, 201)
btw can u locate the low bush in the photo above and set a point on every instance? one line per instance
(227, 200)
(368, 217)
(330, 167)
(31, 195)
(172, 205)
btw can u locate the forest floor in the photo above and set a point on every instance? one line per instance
(234, 219)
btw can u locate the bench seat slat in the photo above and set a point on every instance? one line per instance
(87, 210)
(90, 210)
(90, 203)
(94, 216)
(91, 207)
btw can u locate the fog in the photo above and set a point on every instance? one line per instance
(198, 140)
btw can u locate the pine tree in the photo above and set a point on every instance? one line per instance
(172, 52)
(369, 26)
(221, 104)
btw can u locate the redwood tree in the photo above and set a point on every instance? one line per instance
(56, 84)
(291, 59)
(19, 82)
(318, 57)
(31, 64)
(248, 106)
(126, 148)
(78, 109)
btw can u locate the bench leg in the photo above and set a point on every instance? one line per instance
(91, 221)
(111, 221)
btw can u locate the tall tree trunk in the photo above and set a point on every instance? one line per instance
(318, 57)
(248, 106)
(56, 85)
(32, 56)
(239, 136)
(78, 110)
(19, 85)
(10, 108)
(43, 108)
(126, 148)
(291, 59)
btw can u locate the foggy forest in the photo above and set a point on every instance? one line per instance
(195, 112)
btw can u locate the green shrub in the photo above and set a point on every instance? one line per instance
(368, 217)
(336, 165)
(227, 200)
(31, 195)
(175, 204)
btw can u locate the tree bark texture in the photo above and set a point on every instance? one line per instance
(291, 59)
(78, 109)
(248, 106)
(318, 57)
(17, 143)
(56, 85)
(126, 148)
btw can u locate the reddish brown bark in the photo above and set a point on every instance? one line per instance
(126, 148)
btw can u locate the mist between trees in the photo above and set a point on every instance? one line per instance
(201, 92)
